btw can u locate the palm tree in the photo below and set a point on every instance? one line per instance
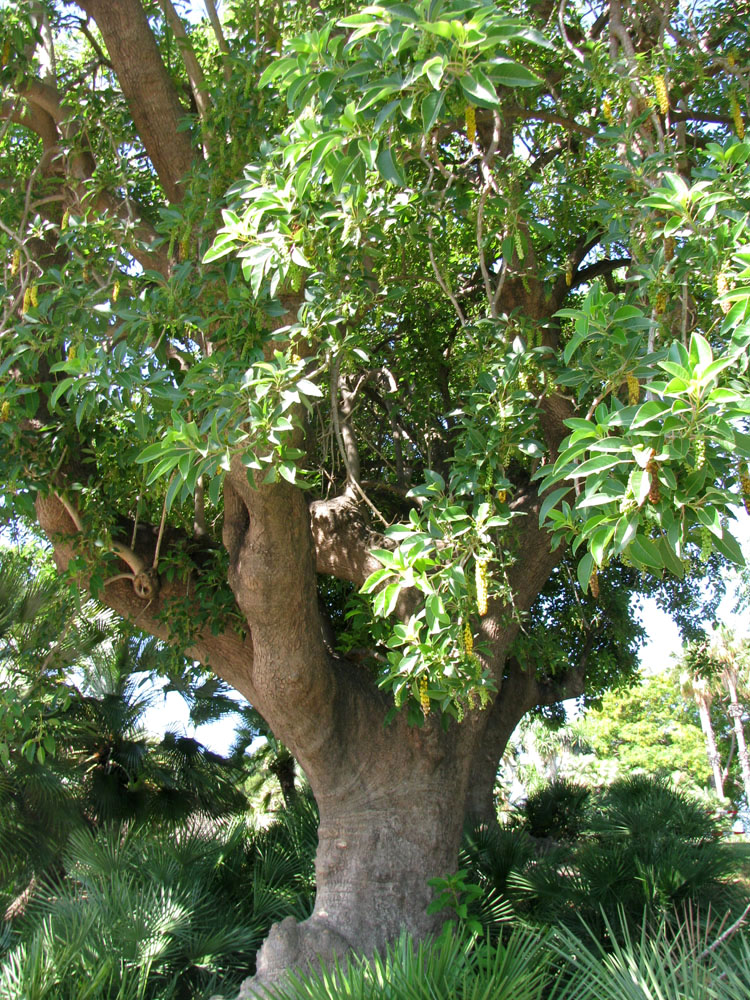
(698, 689)
(732, 655)
(73, 750)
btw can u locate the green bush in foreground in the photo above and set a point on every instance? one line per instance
(138, 915)
(659, 964)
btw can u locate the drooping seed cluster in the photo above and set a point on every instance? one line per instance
(424, 698)
(662, 97)
(480, 578)
(744, 475)
(471, 123)
(654, 494)
(468, 639)
(739, 124)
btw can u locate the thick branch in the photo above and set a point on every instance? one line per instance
(194, 71)
(229, 654)
(148, 89)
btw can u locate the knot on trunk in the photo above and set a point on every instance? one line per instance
(146, 584)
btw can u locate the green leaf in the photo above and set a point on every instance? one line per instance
(388, 168)
(512, 74)
(432, 105)
(551, 501)
(645, 552)
(479, 89)
(584, 569)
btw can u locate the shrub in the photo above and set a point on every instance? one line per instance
(557, 810)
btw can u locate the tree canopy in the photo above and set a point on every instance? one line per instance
(374, 355)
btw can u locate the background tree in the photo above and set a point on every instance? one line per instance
(422, 299)
(649, 730)
(717, 668)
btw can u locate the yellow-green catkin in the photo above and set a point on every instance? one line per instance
(424, 698)
(699, 449)
(15, 262)
(502, 495)
(739, 124)
(569, 274)
(744, 477)
(662, 96)
(26, 300)
(471, 123)
(6, 53)
(722, 288)
(480, 577)
(634, 389)
(65, 219)
(660, 303)
(116, 291)
(468, 639)
(607, 111)
(669, 248)
(5, 412)
(34, 296)
(594, 583)
(707, 544)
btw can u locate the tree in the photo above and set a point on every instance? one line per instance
(731, 656)
(441, 303)
(647, 730)
(698, 689)
(718, 665)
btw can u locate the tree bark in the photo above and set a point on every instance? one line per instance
(736, 712)
(712, 751)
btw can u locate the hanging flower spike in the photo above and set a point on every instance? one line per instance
(26, 300)
(594, 583)
(669, 248)
(739, 124)
(634, 389)
(654, 494)
(468, 639)
(480, 577)
(662, 97)
(745, 485)
(722, 287)
(607, 111)
(424, 698)
(700, 454)
(707, 544)
(471, 123)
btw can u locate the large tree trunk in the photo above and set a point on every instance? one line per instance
(390, 819)
(392, 797)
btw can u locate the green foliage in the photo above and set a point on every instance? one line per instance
(673, 964)
(650, 729)
(138, 915)
(646, 850)
(556, 810)
(451, 966)
(456, 211)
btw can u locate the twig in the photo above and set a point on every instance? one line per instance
(729, 932)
